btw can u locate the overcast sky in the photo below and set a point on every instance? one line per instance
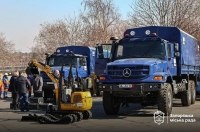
(20, 19)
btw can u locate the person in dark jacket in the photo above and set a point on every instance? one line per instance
(23, 85)
(14, 90)
(30, 78)
(37, 84)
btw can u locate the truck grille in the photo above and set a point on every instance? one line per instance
(128, 72)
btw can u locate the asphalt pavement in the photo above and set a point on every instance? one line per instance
(132, 118)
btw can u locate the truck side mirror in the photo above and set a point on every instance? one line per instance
(100, 52)
(114, 38)
(47, 54)
(176, 47)
(177, 54)
(47, 57)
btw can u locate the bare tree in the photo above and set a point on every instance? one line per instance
(94, 25)
(52, 36)
(99, 17)
(61, 33)
(38, 52)
(119, 28)
(184, 14)
(9, 57)
(75, 28)
(6, 51)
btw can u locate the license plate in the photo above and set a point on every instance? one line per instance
(50, 83)
(125, 85)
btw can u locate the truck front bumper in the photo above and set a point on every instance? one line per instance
(131, 89)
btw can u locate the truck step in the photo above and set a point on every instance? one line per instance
(43, 106)
(36, 106)
(38, 100)
(38, 94)
(33, 106)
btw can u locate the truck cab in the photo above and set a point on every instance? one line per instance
(56, 60)
(142, 59)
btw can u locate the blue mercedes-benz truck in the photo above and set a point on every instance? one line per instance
(84, 62)
(151, 65)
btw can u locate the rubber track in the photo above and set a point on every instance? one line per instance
(58, 119)
(87, 115)
(79, 116)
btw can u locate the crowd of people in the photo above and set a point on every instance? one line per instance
(21, 87)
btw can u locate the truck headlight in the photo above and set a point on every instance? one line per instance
(158, 78)
(102, 77)
(85, 68)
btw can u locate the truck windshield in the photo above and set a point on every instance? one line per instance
(59, 60)
(140, 49)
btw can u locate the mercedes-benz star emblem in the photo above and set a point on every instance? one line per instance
(127, 72)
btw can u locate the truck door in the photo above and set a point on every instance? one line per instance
(102, 57)
(172, 64)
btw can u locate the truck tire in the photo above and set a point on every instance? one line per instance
(186, 97)
(165, 100)
(91, 92)
(193, 91)
(110, 104)
(98, 93)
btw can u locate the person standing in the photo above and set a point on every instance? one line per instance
(30, 78)
(37, 84)
(23, 85)
(57, 74)
(6, 85)
(14, 90)
(1, 85)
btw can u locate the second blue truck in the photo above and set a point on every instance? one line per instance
(85, 63)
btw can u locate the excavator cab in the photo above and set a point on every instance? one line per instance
(73, 95)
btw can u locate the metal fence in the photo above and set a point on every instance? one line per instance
(10, 69)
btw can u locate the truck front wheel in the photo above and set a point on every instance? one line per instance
(165, 99)
(110, 103)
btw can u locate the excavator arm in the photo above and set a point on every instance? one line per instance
(34, 65)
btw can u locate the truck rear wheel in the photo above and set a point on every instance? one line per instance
(165, 100)
(110, 103)
(186, 97)
(193, 91)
